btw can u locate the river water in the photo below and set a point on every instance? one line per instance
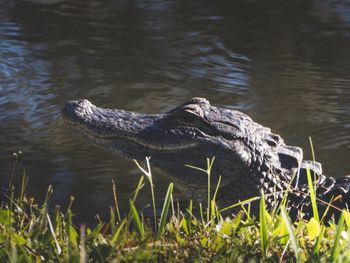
(286, 64)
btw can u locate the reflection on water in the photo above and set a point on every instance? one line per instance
(285, 64)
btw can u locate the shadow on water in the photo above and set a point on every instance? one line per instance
(285, 64)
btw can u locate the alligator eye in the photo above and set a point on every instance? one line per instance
(186, 116)
(188, 113)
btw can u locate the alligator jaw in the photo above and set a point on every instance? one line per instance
(110, 125)
(188, 134)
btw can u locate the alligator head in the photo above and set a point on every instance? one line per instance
(248, 156)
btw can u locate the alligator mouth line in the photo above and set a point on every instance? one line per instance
(156, 147)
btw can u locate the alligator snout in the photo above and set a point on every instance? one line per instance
(74, 105)
(73, 109)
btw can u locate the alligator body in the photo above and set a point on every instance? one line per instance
(248, 156)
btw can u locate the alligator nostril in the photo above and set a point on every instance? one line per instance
(82, 102)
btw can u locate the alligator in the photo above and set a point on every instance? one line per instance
(249, 158)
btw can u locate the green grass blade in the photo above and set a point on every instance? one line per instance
(293, 239)
(208, 191)
(336, 247)
(94, 233)
(138, 188)
(196, 168)
(190, 207)
(201, 213)
(210, 163)
(244, 202)
(263, 224)
(172, 205)
(117, 233)
(188, 217)
(312, 150)
(82, 244)
(317, 247)
(214, 210)
(112, 221)
(165, 210)
(149, 176)
(68, 226)
(116, 200)
(52, 231)
(217, 189)
(139, 226)
(23, 186)
(312, 194)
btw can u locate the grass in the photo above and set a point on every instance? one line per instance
(28, 233)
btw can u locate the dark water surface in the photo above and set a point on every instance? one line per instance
(285, 64)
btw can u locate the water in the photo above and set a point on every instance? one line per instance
(285, 64)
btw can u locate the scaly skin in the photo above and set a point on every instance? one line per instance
(248, 156)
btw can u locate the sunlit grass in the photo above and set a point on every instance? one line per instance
(29, 233)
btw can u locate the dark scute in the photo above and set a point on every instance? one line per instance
(290, 157)
(315, 169)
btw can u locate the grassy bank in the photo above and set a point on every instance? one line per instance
(28, 233)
